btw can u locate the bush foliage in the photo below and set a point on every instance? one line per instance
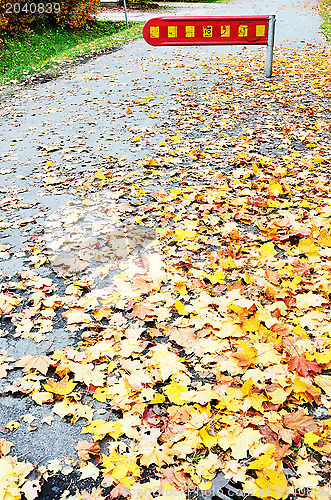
(65, 13)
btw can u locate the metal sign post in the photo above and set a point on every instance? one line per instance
(232, 30)
(126, 14)
(270, 48)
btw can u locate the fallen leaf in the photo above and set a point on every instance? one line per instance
(85, 448)
(303, 366)
(300, 422)
(31, 489)
(62, 388)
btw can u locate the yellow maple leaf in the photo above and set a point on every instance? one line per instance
(89, 471)
(267, 251)
(74, 408)
(39, 362)
(122, 467)
(99, 175)
(307, 246)
(76, 315)
(217, 277)
(271, 484)
(182, 235)
(310, 438)
(275, 189)
(227, 263)
(166, 362)
(100, 428)
(12, 476)
(174, 393)
(263, 461)
(307, 476)
(42, 397)
(12, 425)
(207, 437)
(176, 139)
(62, 388)
(243, 442)
(158, 398)
(181, 308)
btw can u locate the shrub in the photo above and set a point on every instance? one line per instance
(20, 15)
(76, 13)
(14, 23)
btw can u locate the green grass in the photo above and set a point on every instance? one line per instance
(325, 10)
(48, 48)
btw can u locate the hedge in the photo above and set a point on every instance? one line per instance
(17, 16)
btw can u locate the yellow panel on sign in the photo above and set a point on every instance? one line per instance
(225, 30)
(190, 31)
(207, 31)
(154, 32)
(172, 31)
(242, 30)
(260, 30)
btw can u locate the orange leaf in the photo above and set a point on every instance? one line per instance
(85, 448)
(303, 366)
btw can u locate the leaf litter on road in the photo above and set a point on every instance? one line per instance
(199, 280)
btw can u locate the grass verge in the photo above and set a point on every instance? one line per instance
(325, 9)
(46, 49)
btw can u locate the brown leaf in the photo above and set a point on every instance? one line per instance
(85, 448)
(303, 366)
(285, 434)
(300, 422)
(282, 451)
(269, 434)
(177, 477)
(272, 276)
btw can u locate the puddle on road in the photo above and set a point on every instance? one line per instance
(111, 251)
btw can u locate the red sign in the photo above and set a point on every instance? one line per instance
(238, 30)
